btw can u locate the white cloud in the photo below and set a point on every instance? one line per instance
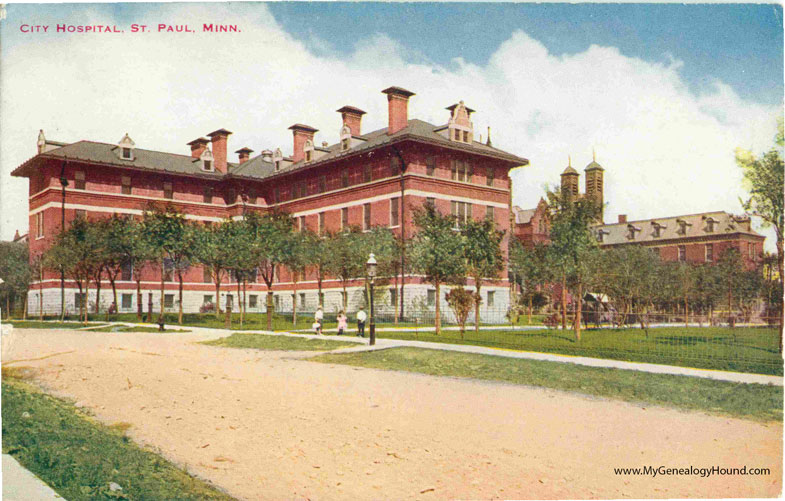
(665, 149)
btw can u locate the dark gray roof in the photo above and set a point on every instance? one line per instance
(569, 170)
(143, 159)
(594, 166)
(257, 168)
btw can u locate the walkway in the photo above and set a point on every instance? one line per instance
(19, 484)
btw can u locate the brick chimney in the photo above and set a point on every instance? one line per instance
(198, 146)
(352, 117)
(244, 154)
(218, 139)
(397, 108)
(622, 218)
(301, 133)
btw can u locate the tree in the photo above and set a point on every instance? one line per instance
(16, 272)
(484, 259)
(729, 270)
(532, 268)
(437, 251)
(316, 253)
(296, 260)
(462, 301)
(211, 251)
(241, 244)
(347, 258)
(764, 181)
(165, 230)
(572, 244)
(271, 243)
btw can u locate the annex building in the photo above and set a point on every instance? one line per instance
(353, 178)
(693, 238)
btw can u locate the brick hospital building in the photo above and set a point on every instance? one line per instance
(357, 178)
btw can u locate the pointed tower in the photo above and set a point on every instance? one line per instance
(569, 180)
(594, 183)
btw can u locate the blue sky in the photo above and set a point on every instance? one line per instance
(662, 93)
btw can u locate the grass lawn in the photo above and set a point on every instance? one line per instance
(34, 324)
(127, 328)
(278, 343)
(750, 401)
(741, 349)
(79, 457)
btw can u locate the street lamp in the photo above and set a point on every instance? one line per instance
(371, 267)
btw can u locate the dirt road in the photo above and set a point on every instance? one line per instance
(267, 425)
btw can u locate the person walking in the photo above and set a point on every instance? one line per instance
(318, 318)
(361, 322)
(342, 323)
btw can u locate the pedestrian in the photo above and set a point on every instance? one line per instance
(318, 318)
(361, 322)
(342, 323)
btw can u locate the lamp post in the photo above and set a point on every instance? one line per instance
(371, 267)
(63, 183)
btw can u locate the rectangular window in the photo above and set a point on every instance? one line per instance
(301, 223)
(302, 300)
(168, 300)
(126, 182)
(751, 250)
(393, 296)
(253, 301)
(277, 302)
(345, 218)
(39, 225)
(276, 195)
(127, 153)
(81, 213)
(207, 275)
(461, 171)
(127, 301)
(79, 180)
(489, 212)
(207, 298)
(168, 193)
(345, 179)
(709, 253)
(462, 212)
(395, 204)
(465, 136)
(78, 300)
(322, 184)
(366, 216)
(229, 300)
(127, 271)
(682, 253)
(491, 297)
(489, 177)
(251, 195)
(207, 195)
(395, 166)
(430, 201)
(430, 166)
(321, 223)
(454, 170)
(367, 173)
(431, 297)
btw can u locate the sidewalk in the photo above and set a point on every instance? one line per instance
(19, 484)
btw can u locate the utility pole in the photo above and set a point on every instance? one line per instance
(63, 183)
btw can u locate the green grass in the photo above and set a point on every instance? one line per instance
(741, 349)
(749, 401)
(79, 457)
(33, 324)
(278, 343)
(127, 328)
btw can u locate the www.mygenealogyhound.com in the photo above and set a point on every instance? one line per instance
(691, 470)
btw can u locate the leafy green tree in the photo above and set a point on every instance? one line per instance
(16, 272)
(437, 252)
(316, 254)
(461, 301)
(347, 258)
(532, 268)
(763, 178)
(296, 261)
(573, 244)
(385, 247)
(165, 230)
(242, 246)
(484, 259)
(137, 254)
(211, 251)
(729, 271)
(271, 245)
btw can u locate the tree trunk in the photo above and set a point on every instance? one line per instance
(345, 298)
(139, 300)
(86, 301)
(438, 319)
(41, 293)
(112, 282)
(97, 293)
(476, 308)
(217, 296)
(686, 312)
(294, 302)
(578, 308)
(180, 297)
(163, 277)
(24, 306)
(319, 278)
(240, 299)
(396, 305)
(564, 301)
(269, 307)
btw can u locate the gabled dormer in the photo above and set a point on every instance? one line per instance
(346, 137)
(308, 150)
(460, 127)
(711, 224)
(683, 226)
(206, 160)
(125, 148)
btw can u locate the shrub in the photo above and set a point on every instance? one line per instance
(207, 308)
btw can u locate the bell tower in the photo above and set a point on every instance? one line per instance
(569, 181)
(595, 184)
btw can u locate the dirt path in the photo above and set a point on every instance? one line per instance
(265, 425)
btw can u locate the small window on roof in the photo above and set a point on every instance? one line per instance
(126, 146)
(127, 153)
(207, 160)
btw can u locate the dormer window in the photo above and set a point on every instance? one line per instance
(207, 160)
(601, 235)
(126, 146)
(710, 224)
(346, 137)
(682, 226)
(460, 127)
(308, 150)
(657, 229)
(631, 230)
(277, 159)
